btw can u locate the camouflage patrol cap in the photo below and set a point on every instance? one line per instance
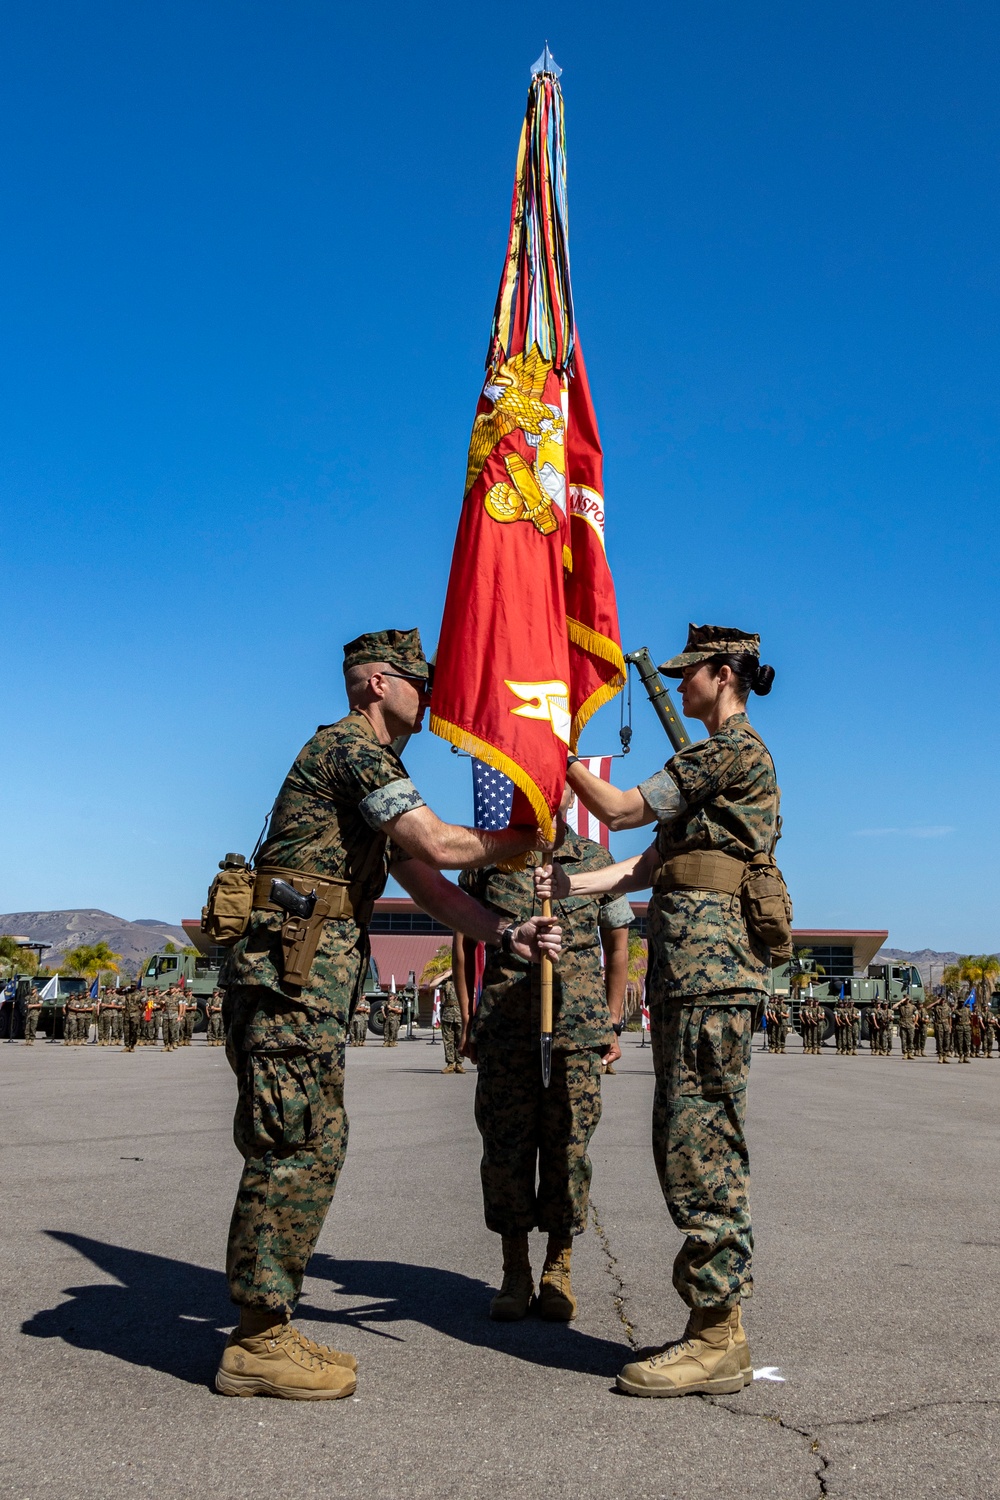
(706, 641)
(400, 648)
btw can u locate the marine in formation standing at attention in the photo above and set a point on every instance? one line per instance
(213, 1012)
(940, 1014)
(32, 1012)
(451, 1027)
(781, 1014)
(346, 810)
(716, 810)
(359, 1021)
(529, 1131)
(393, 1014)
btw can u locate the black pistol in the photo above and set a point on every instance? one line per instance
(289, 899)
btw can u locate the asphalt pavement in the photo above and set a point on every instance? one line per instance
(874, 1326)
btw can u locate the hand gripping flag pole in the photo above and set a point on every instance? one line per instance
(530, 646)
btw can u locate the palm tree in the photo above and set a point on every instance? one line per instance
(980, 972)
(91, 960)
(438, 963)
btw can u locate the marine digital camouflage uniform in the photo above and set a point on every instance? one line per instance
(706, 975)
(133, 1005)
(781, 1014)
(392, 1012)
(213, 1012)
(33, 1011)
(855, 1014)
(920, 1032)
(286, 1044)
(359, 1022)
(961, 1032)
(940, 1014)
(451, 1024)
(906, 1015)
(170, 1005)
(524, 1126)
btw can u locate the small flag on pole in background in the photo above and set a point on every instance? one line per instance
(51, 990)
(579, 819)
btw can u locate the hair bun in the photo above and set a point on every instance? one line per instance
(763, 679)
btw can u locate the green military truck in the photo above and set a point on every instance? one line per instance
(50, 1020)
(884, 981)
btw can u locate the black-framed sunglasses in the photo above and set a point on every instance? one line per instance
(422, 684)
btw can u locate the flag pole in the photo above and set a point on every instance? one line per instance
(546, 987)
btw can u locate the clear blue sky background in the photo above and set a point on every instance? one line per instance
(248, 267)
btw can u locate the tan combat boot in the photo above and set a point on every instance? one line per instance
(449, 1069)
(280, 1361)
(713, 1358)
(512, 1301)
(555, 1301)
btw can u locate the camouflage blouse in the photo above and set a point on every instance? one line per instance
(699, 946)
(328, 818)
(509, 1010)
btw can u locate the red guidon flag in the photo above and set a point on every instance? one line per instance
(530, 645)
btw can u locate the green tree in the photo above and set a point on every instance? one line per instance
(951, 978)
(980, 971)
(12, 957)
(91, 959)
(170, 948)
(438, 963)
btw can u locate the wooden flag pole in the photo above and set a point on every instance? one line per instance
(546, 990)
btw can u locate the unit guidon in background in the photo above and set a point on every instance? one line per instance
(530, 645)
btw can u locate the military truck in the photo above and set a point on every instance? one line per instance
(199, 974)
(50, 1019)
(883, 981)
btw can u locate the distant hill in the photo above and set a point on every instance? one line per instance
(923, 960)
(68, 929)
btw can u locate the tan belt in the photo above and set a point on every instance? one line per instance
(702, 870)
(337, 892)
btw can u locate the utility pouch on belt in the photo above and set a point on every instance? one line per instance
(767, 907)
(226, 914)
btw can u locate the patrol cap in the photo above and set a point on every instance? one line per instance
(706, 641)
(400, 648)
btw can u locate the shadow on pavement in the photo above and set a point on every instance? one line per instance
(457, 1306)
(169, 1315)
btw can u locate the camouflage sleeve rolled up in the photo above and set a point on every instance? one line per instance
(615, 912)
(663, 795)
(387, 802)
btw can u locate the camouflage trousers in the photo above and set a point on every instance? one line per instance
(701, 1058)
(962, 1040)
(171, 1031)
(529, 1131)
(359, 1030)
(906, 1040)
(130, 1031)
(451, 1035)
(30, 1026)
(942, 1038)
(291, 1129)
(215, 1028)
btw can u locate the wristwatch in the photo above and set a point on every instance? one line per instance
(507, 940)
(571, 760)
(618, 1027)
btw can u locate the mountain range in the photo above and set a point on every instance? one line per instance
(69, 929)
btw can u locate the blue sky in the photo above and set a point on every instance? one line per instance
(249, 263)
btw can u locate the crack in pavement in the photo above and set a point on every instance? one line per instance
(619, 1297)
(822, 1467)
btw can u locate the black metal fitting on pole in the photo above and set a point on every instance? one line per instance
(659, 696)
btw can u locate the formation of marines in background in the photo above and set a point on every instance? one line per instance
(961, 1030)
(130, 1018)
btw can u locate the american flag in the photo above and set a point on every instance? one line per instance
(492, 795)
(580, 820)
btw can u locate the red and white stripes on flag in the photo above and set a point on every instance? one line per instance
(580, 820)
